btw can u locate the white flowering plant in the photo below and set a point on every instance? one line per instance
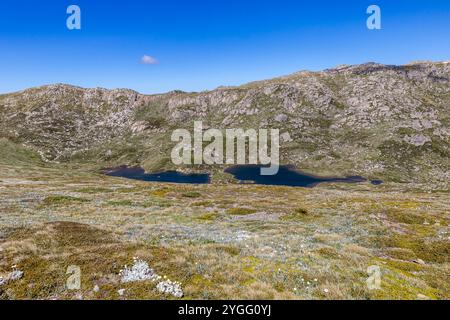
(141, 271)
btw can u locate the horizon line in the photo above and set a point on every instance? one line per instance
(334, 68)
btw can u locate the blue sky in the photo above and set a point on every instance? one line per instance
(201, 45)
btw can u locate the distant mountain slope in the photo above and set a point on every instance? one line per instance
(389, 122)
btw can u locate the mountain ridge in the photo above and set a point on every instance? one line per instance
(371, 119)
(303, 71)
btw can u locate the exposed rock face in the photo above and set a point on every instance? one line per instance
(371, 119)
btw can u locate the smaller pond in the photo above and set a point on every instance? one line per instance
(137, 173)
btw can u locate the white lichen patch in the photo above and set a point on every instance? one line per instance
(12, 276)
(170, 287)
(417, 140)
(15, 275)
(140, 271)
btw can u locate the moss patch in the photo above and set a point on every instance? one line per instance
(191, 194)
(240, 211)
(62, 200)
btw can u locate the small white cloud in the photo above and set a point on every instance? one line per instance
(148, 60)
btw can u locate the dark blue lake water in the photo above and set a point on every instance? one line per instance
(286, 176)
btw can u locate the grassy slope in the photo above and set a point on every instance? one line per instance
(270, 242)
